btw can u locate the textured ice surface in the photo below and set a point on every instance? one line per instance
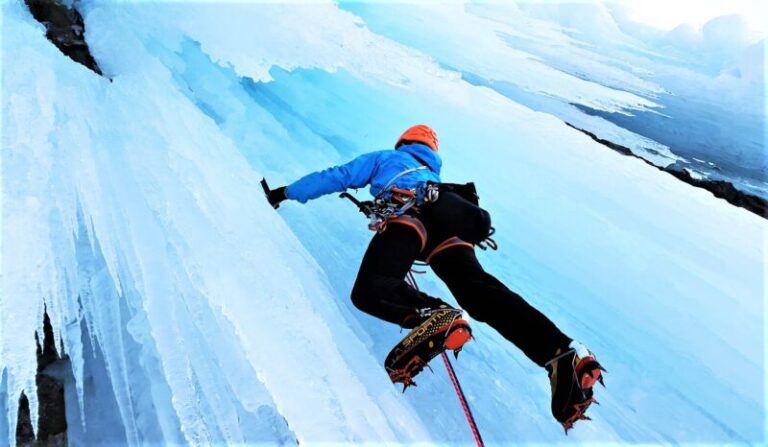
(194, 313)
(213, 321)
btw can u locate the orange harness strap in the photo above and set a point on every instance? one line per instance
(413, 223)
(448, 243)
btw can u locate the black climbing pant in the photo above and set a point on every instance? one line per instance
(381, 290)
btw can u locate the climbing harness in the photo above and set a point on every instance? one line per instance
(392, 202)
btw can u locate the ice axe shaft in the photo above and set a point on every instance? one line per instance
(265, 186)
(363, 207)
(267, 191)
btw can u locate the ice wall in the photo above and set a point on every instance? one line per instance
(142, 229)
(132, 210)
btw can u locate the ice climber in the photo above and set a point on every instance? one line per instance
(416, 217)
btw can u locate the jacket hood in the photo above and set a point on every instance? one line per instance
(425, 154)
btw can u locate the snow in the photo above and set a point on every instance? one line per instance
(694, 175)
(193, 313)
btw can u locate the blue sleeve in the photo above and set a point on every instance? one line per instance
(355, 174)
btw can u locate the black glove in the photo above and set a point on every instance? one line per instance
(275, 196)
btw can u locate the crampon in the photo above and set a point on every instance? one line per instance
(444, 329)
(572, 378)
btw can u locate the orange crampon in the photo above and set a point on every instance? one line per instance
(579, 415)
(406, 374)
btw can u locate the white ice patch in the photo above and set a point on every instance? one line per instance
(466, 39)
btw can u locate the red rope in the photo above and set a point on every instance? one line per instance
(463, 400)
(452, 374)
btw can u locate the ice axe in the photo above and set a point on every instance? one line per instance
(266, 189)
(365, 207)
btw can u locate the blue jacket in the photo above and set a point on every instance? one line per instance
(375, 168)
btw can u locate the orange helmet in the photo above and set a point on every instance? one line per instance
(420, 133)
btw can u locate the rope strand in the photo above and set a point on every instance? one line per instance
(455, 380)
(463, 401)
